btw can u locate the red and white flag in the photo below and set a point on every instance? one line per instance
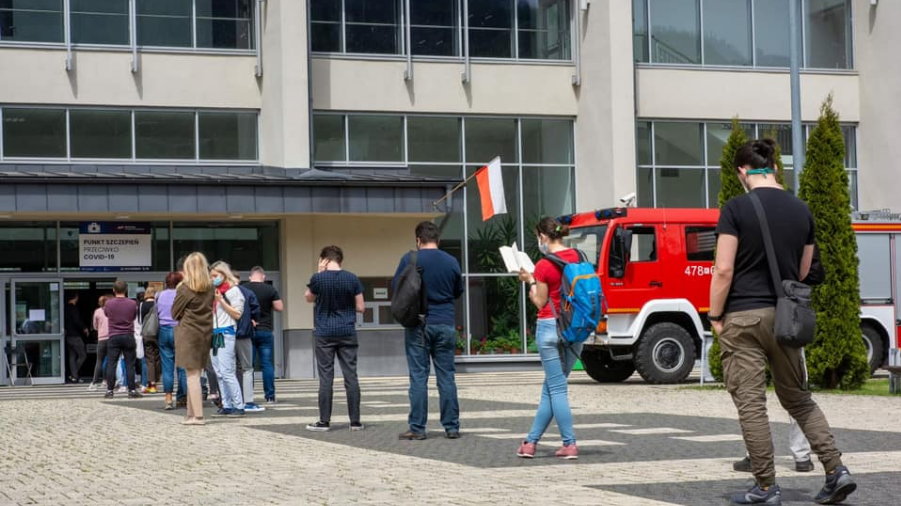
(491, 189)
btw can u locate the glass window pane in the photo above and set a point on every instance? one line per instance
(165, 23)
(100, 22)
(100, 133)
(228, 135)
(164, 135)
(225, 24)
(546, 191)
(434, 27)
(717, 135)
(31, 21)
(372, 26)
(782, 134)
(495, 316)
(645, 187)
(640, 30)
(242, 245)
(328, 138)
(376, 138)
(547, 141)
(681, 188)
(325, 10)
(643, 142)
(677, 144)
(490, 137)
(34, 133)
(43, 356)
(491, 28)
(434, 139)
(852, 182)
(850, 135)
(326, 37)
(544, 29)
(485, 237)
(713, 187)
(828, 34)
(675, 31)
(28, 246)
(772, 28)
(33, 296)
(727, 32)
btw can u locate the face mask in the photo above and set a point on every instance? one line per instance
(217, 281)
(542, 247)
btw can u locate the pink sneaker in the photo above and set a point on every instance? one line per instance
(568, 452)
(526, 450)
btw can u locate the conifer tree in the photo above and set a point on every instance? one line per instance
(837, 358)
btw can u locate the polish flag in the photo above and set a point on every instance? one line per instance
(491, 189)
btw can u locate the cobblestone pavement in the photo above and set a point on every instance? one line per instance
(640, 445)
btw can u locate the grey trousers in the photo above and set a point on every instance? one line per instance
(244, 351)
(346, 350)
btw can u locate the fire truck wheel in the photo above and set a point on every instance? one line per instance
(665, 353)
(604, 369)
(873, 341)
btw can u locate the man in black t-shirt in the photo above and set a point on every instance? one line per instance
(262, 339)
(742, 312)
(338, 297)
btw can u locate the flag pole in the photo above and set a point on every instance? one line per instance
(454, 189)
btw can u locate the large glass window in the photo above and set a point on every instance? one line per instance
(28, 246)
(31, 20)
(325, 25)
(372, 26)
(376, 138)
(547, 141)
(434, 139)
(39, 133)
(434, 28)
(490, 137)
(242, 245)
(740, 32)
(224, 23)
(100, 22)
(491, 28)
(100, 133)
(544, 29)
(227, 135)
(164, 135)
(164, 23)
(677, 143)
(329, 139)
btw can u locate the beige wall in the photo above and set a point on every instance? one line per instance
(877, 42)
(38, 76)
(360, 85)
(715, 94)
(605, 127)
(372, 247)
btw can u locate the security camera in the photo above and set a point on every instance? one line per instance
(628, 199)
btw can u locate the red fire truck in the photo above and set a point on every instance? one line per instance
(655, 267)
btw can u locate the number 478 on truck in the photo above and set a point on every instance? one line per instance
(655, 267)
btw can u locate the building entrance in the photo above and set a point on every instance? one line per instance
(32, 331)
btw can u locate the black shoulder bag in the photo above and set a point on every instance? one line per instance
(796, 321)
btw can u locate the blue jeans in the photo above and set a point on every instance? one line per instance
(262, 351)
(167, 359)
(554, 402)
(435, 344)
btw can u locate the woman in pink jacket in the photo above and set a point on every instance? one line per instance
(101, 325)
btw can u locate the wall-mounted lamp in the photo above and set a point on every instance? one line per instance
(583, 4)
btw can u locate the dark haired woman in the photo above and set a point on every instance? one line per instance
(544, 290)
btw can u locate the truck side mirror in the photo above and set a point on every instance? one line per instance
(619, 253)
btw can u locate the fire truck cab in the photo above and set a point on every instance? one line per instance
(655, 267)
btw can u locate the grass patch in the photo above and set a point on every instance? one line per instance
(877, 387)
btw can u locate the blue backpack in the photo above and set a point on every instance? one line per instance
(581, 299)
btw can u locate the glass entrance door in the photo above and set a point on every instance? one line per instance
(36, 309)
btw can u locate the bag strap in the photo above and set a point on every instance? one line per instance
(561, 263)
(768, 244)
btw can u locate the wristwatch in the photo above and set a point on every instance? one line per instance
(712, 318)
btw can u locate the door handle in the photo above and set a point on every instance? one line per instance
(656, 283)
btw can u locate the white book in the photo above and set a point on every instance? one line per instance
(515, 260)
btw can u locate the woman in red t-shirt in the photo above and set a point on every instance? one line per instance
(544, 290)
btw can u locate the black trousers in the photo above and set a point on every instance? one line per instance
(122, 344)
(346, 350)
(76, 353)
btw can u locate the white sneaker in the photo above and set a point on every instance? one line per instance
(252, 407)
(122, 390)
(93, 387)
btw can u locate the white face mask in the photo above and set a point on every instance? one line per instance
(543, 247)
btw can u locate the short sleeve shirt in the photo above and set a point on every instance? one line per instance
(266, 295)
(549, 273)
(335, 311)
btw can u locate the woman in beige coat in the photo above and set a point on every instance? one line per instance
(193, 308)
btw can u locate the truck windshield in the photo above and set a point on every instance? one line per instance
(588, 240)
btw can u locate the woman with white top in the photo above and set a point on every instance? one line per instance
(227, 309)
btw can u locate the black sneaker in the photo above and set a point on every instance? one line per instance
(412, 436)
(319, 426)
(757, 495)
(452, 434)
(134, 394)
(839, 485)
(803, 466)
(743, 465)
(108, 394)
(356, 426)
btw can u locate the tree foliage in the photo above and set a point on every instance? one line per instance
(837, 358)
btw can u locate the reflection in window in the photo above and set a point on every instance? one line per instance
(328, 132)
(31, 20)
(242, 245)
(325, 25)
(828, 34)
(678, 143)
(227, 135)
(681, 187)
(164, 23)
(772, 40)
(372, 26)
(28, 247)
(546, 141)
(100, 133)
(96, 22)
(491, 28)
(544, 29)
(226, 24)
(434, 139)
(434, 28)
(727, 32)
(490, 137)
(39, 133)
(675, 31)
(376, 138)
(588, 240)
(164, 135)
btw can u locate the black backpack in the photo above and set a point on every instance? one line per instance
(408, 305)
